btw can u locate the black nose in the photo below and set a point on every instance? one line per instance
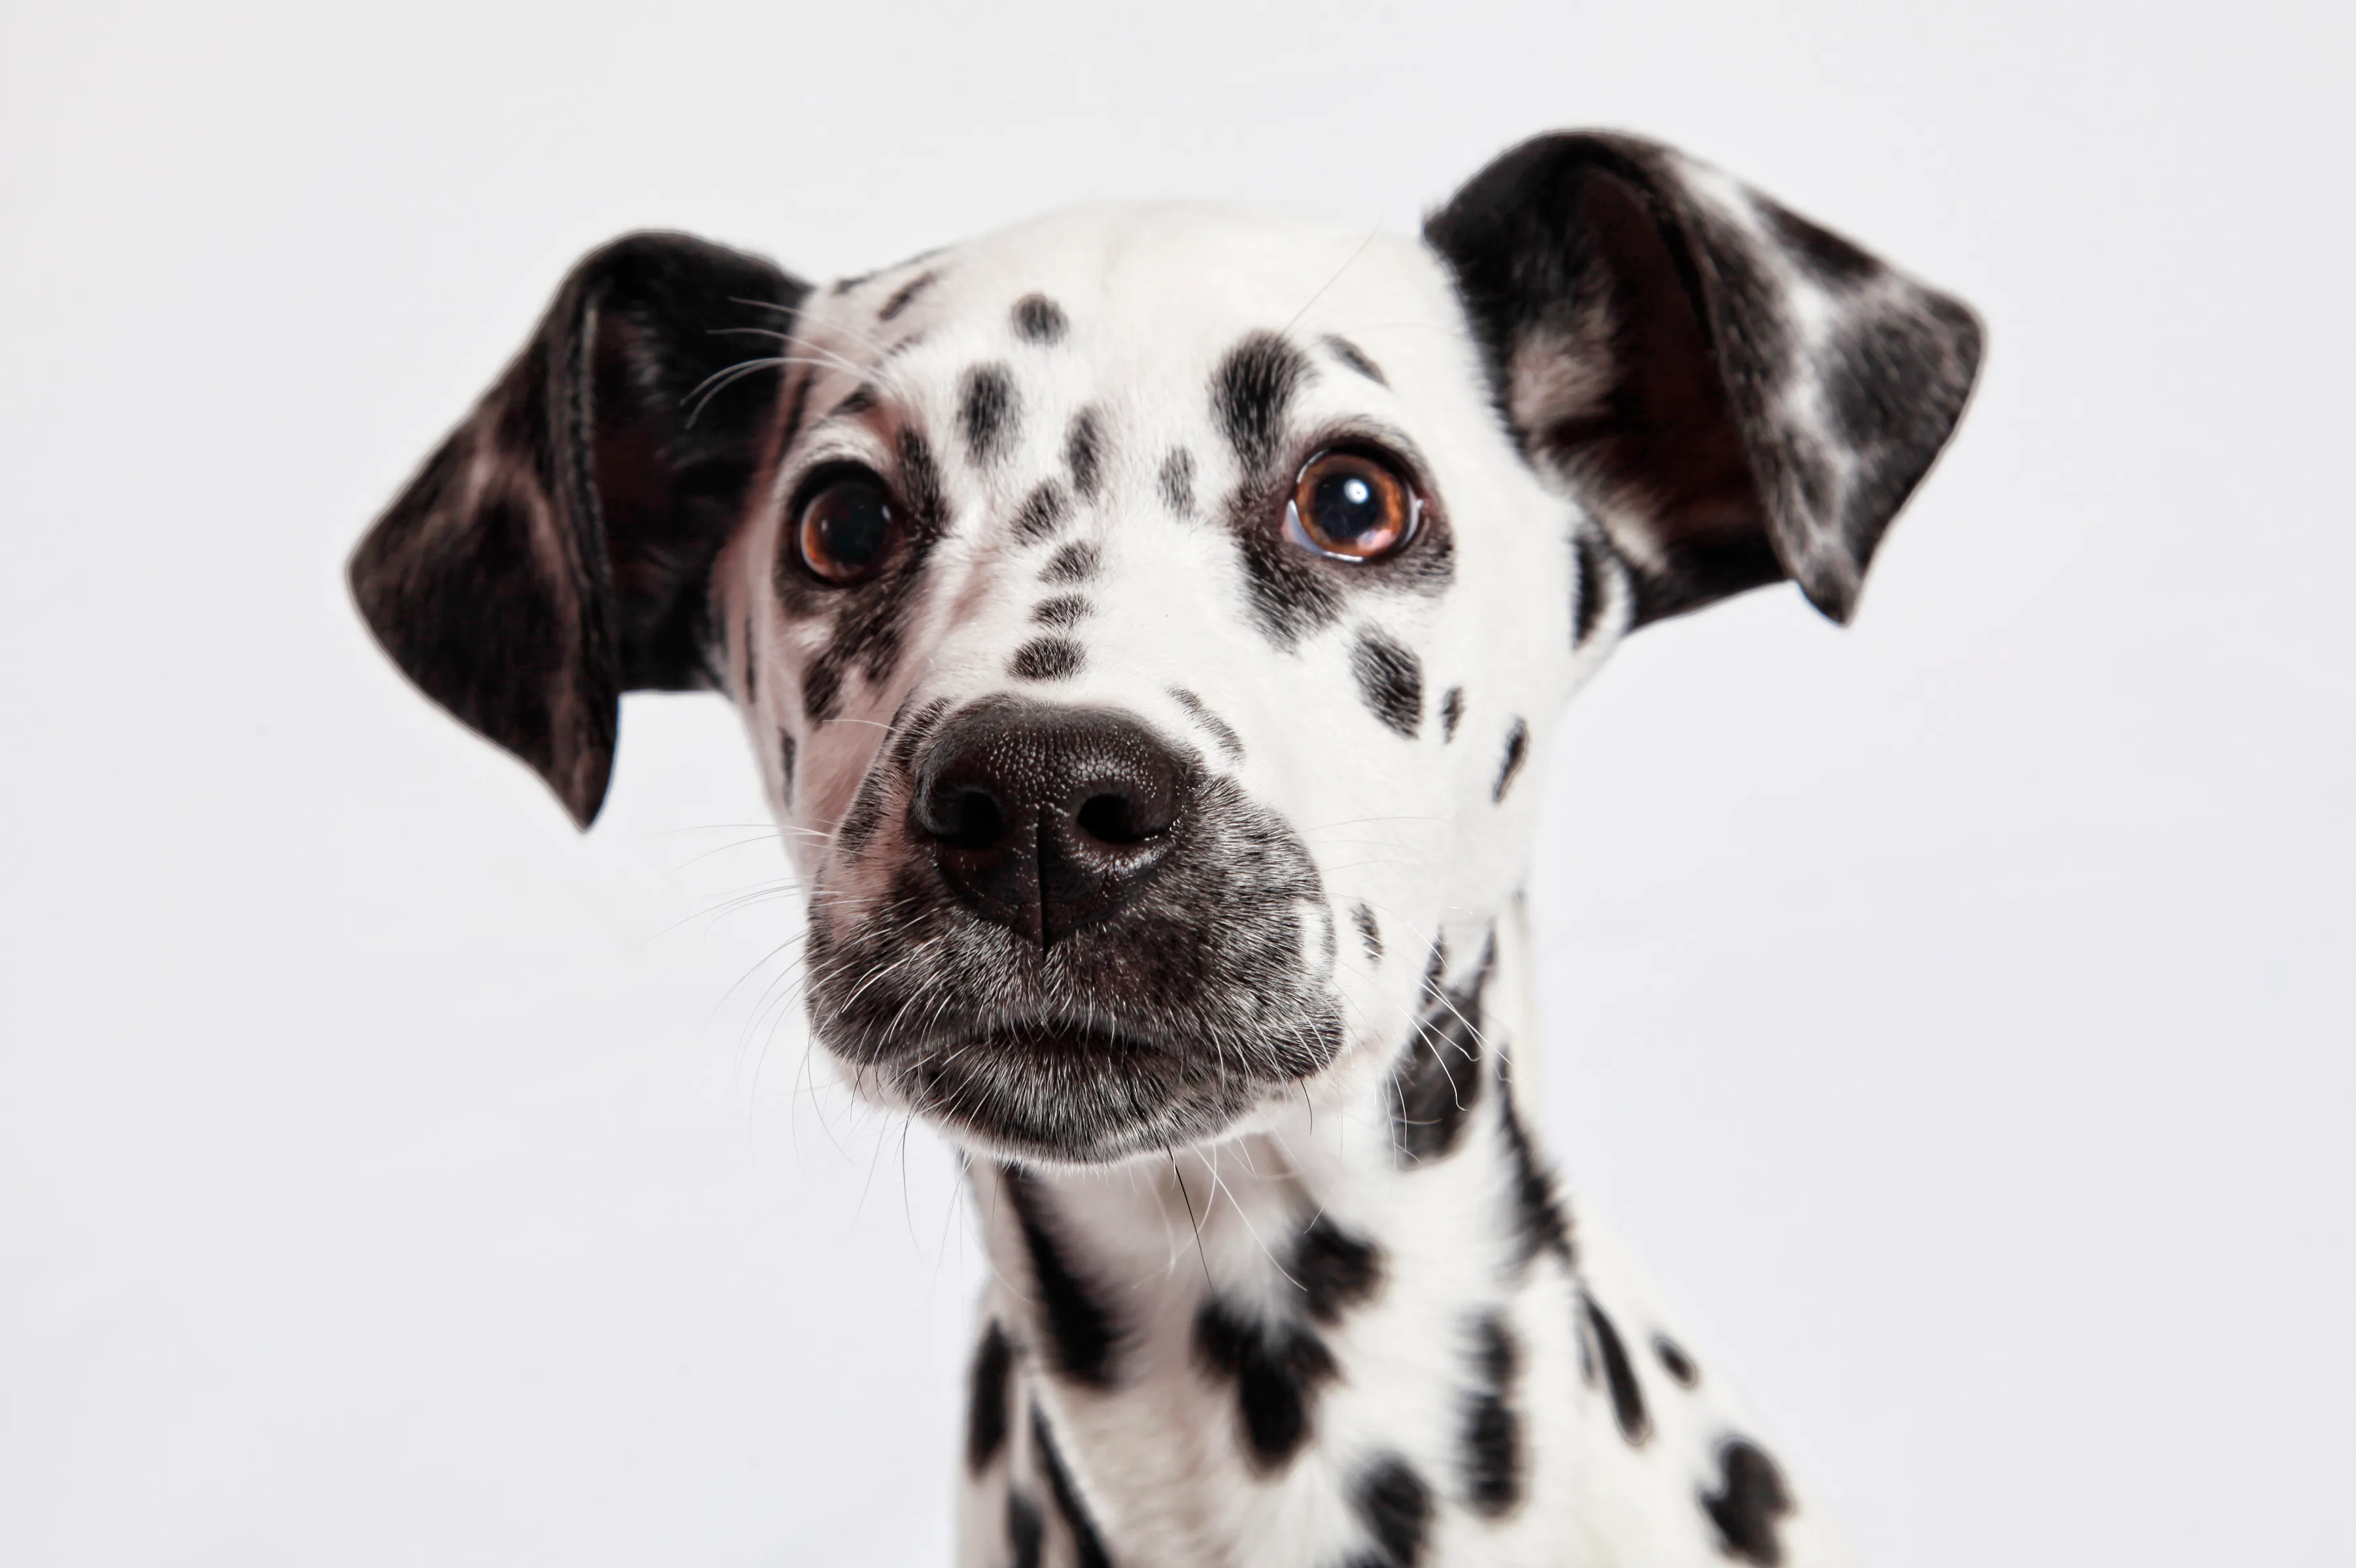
(1048, 819)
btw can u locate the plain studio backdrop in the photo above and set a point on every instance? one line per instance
(1955, 1010)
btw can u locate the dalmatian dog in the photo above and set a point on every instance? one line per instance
(1149, 623)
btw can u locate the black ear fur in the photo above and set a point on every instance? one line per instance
(1743, 396)
(556, 551)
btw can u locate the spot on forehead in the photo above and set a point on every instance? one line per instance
(905, 294)
(1351, 354)
(1038, 319)
(1178, 482)
(1370, 932)
(1452, 712)
(1390, 679)
(1073, 563)
(1587, 552)
(1047, 658)
(988, 414)
(1065, 610)
(1251, 390)
(1083, 452)
(786, 752)
(1043, 512)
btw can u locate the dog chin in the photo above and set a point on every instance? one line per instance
(1065, 1092)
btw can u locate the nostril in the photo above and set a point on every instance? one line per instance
(1111, 819)
(974, 820)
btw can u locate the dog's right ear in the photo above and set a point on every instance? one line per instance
(557, 550)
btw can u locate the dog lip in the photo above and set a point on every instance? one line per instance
(1061, 1039)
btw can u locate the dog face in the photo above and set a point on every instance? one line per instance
(1147, 618)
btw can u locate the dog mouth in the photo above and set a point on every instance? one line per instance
(1081, 1092)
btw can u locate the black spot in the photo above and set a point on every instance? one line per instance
(1026, 1532)
(1066, 609)
(985, 1418)
(1038, 319)
(905, 294)
(1518, 749)
(1438, 1081)
(752, 666)
(1749, 1498)
(1276, 1370)
(1087, 1546)
(1047, 658)
(1081, 1335)
(1083, 452)
(1492, 1435)
(1178, 482)
(1539, 1222)
(989, 413)
(1673, 1357)
(1251, 392)
(1587, 552)
(1394, 1506)
(1619, 1374)
(1073, 563)
(1043, 512)
(1391, 680)
(1350, 353)
(786, 753)
(1370, 932)
(1220, 729)
(1336, 1270)
(1452, 712)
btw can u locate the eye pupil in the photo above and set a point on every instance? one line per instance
(1352, 504)
(846, 530)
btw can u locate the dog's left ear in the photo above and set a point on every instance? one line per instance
(557, 550)
(1743, 396)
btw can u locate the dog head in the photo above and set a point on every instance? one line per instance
(1148, 615)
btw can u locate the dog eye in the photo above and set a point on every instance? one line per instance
(848, 528)
(1352, 506)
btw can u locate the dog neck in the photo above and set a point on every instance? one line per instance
(1314, 1320)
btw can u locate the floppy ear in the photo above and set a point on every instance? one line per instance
(1741, 395)
(556, 551)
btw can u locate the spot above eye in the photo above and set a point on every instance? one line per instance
(1352, 506)
(847, 527)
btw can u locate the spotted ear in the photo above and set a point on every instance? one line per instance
(556, 551)
(1742, 396)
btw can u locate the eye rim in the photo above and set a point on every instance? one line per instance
(1401, 474)
(816, 485)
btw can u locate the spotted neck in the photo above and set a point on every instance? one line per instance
(1315, 1343)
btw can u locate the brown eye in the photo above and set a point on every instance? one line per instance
(1352, 506)
(848, 528)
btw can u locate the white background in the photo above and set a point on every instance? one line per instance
(1957, 1010)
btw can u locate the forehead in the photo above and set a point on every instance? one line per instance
(1133, 291)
